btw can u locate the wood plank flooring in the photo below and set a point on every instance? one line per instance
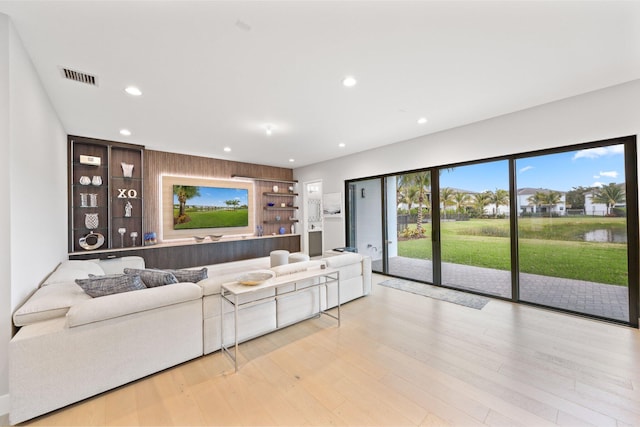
(399, 360)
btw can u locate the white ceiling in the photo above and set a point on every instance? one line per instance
(214, 72)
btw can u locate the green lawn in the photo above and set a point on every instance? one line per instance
(550, 247)
(219, 219)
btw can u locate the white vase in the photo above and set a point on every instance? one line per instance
(85, 180)
(97, 180)
(127, 170)
(91, 221)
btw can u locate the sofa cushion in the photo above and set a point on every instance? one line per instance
(121, 305)
(297, 267)
(49, 302)
(70, 270)
(152, 278)
(98, 286)
(186, 275)
(117, 265)
(342, 260)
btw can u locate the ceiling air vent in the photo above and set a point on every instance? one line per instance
(79, 76)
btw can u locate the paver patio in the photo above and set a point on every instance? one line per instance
(596, 299)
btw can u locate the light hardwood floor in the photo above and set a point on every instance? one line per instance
(398, 359)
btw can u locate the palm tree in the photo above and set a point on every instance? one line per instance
(422, 182)
(499, 198)
(538, 199)
(446, 196)
(610, 195)
(481, 200)
(552, 199)
(461, 200)
(184, 193)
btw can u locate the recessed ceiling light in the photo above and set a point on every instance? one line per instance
(125, 132)
(268, 128)
(342, 145)
(227, 149)
(132, 90)
(349, 81)
(422, 120)
(292, 160)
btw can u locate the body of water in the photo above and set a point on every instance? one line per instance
(606, 236)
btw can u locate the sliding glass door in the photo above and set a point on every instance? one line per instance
(572, 231)
(557, 228)
(409, 226)
(474, 228)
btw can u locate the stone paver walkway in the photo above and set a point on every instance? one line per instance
(596, 299)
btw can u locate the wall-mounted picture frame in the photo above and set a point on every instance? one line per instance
(332, 205)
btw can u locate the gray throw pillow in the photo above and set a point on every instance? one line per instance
(192, 276)
(152, 278)
(99, 286)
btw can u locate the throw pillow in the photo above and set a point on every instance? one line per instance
(152, 278)
(192, 276)
(98, 286)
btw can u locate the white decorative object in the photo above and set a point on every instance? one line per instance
(275, 188)
(91, 221)
(127, 209)
(122, 230)
(83, 200)
(85, 180)
(93, 200)
(133, 235)
(97, 180)
(123, 193)
(127, 170)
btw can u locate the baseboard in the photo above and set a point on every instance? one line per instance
(4, 406)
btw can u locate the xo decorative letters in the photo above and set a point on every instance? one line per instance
(124, 193)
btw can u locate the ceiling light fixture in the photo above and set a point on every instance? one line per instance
(349, 81)
(342, 145)
(227, 149)
(268, 128)
(125, 132)
(133, 90)
(422, 120)
(292, 160)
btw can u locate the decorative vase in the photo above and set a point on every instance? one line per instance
(275, 188)
(282, 230)
(93, 200)
(83, 200)
(127, 170)
(85, 180)
(97, 180)
(91, 221)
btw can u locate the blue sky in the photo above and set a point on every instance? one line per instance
(561, 171)
(216, 196)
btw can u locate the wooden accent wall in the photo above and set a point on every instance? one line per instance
(158, 163)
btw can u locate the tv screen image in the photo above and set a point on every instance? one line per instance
(209, 207)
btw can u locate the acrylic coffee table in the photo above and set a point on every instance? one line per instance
(232, 292)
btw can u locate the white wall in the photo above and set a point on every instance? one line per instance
(607, 113)
(34, 215)
(5, 227)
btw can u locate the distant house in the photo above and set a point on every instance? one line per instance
(599, 209)
(526, 206)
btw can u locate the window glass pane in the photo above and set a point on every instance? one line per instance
(474, 228)
(410, 254)
(572, 231)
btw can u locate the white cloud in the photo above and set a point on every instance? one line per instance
(526, 168)
(594, 153)
(610, 174)
(596, 176)
(597, 184)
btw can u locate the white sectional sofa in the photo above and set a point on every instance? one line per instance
(70, 346)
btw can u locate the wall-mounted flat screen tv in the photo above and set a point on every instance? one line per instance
(209, 207)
